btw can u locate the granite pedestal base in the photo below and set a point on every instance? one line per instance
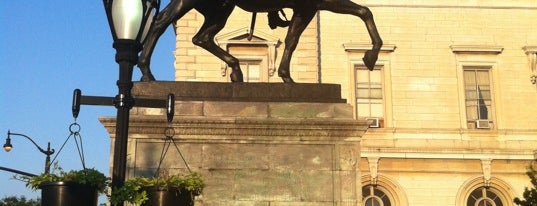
(278, 147)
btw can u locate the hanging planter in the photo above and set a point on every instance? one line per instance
(76, 187)
(162, 189)
(177, 190)
(68, 193)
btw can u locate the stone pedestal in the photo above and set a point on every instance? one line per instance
(255, 144)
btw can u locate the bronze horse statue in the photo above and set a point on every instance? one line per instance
(216, 13)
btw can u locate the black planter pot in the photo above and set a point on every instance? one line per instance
(68, 194)
(168, 197)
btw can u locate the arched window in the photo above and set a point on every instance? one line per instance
(483, 196)
(475, 192)
(375, 196)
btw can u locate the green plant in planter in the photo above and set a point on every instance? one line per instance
(89, 177)
(134, 189)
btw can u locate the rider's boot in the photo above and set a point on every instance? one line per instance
(274, 20)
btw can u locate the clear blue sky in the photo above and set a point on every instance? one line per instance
(47, 49)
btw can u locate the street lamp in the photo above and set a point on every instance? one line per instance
(129, 22)
(8, 147)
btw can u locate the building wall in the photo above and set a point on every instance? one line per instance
(196, 64)
(425, 152)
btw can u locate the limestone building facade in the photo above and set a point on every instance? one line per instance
(451, 101)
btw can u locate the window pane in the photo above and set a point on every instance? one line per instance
(364, 110)
(376, 110)
(372, 202)
(253, 73)
(362, 76)
(482, 77)
(471, 113)
(471, 94)
(375, 76)
(362, 93)
(376, 93)
(469, 78)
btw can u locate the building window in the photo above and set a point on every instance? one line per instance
(483, 197)
(257, 55)
(251, 70)
(369, 98)
(375, 196)
(478, 96)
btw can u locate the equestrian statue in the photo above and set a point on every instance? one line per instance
(216, 13)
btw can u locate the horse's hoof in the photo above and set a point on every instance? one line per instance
(288, 80)
(286, 77)
(147, 78)
(370, 59)
(236, 76)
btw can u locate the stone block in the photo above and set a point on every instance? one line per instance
(220, 185)
(301, 157)
(235, 109)
(235, 156)
(152, 152)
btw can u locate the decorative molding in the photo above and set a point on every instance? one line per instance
(373, 169)
(451, 154)
(239, 37)
(531, 51)
(487, 170)
(244, 129)
(362, 47)
(491, 49)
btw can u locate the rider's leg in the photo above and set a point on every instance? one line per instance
(275, 20)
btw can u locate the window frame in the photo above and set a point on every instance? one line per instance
(484, 196)
(387, 195)
(478, 55)
(501, 189)
(264, 73)
(355, 52)
(471, 123)
(370, 86)
(493, 73)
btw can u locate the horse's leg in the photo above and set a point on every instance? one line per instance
(299, 22)
(173, 12)
(215, 20)
(349, 7)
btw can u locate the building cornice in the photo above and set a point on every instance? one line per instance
(447, 154)
(492, 49)
(362, 47)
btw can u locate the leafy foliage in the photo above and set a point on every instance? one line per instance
(530, 194)
(133, 189)
(19, 201)
(90, 177)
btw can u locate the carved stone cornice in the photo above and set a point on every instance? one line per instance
(487, 49)
(245, 128)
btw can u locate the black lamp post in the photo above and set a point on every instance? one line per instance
(129, 22)
(48, 152)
